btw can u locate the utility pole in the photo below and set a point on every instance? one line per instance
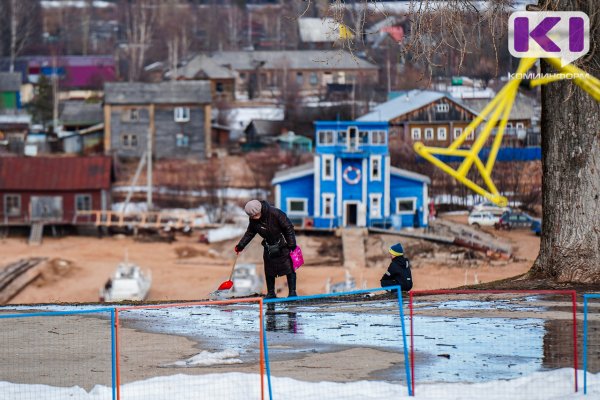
(149, 163)
(54, 95)
(149, 172)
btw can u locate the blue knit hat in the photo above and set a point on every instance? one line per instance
(396, 250)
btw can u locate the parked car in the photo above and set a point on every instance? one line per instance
(536, 227)
(515, 220)
(483, 218)
(491, 207)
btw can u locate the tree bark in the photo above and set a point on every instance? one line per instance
(570, 122)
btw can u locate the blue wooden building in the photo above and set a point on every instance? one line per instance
(351, 183)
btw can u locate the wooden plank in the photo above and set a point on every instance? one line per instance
(33, 270)
(415, 235)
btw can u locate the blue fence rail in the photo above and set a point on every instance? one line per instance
(585, 336)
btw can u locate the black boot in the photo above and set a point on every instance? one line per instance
(291, 279)
(270, 287)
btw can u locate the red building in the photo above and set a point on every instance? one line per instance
(52, 189)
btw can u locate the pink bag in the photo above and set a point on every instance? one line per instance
(297, 258)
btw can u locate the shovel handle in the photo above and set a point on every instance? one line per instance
(233, 266)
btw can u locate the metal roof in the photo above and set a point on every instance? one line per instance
(10, 81)
(81, 113)
(55, 173)
(263, 127)
(203, 64)
(409, 175)
(291, 59)
(523, 107)
(410, 101)
(171, 92)
(294, 172)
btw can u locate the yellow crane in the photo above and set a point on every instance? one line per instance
(495, 115)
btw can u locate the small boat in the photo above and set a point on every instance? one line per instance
(128, 282)
(245, 280)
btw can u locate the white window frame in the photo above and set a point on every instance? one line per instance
(303, 213)
(442, 133)
(6, 210)
(379, 135)
(429, 130)
(375, 212)
(457, 132)
(80, 195)
(373, 160)
(520, 125)
(325, 159)
(471, 135)
(131, 115)
(349, 144)
(181, 114)
(414, 207)
(509, 125)
(442, 107)
(415, 133)
(325, 198)
(321, 135)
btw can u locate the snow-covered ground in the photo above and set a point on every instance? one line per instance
(554, 385)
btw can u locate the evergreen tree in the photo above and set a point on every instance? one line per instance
(41, 105)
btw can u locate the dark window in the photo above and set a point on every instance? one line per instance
(12, 205)
(219, 87)
(129, 140)
(83, 202)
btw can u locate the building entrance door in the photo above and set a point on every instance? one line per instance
(351, 214)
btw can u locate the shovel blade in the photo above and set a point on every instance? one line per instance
(226, 285)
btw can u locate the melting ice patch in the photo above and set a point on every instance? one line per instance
(206, 358)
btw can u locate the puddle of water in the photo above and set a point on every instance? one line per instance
(477, 349)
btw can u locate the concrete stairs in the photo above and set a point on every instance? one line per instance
(353, 242)
(36, 233)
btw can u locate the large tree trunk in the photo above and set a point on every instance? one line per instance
(570, 245)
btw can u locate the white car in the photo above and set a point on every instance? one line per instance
(483, 218)
(491, 207)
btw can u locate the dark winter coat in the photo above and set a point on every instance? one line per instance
(274, 227)
(398, 274)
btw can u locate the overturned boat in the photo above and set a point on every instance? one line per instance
(128, 282)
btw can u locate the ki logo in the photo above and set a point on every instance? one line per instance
(564, 35)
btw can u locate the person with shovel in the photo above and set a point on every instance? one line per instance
(279, 239)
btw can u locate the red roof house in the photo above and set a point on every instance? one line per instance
(52, 189)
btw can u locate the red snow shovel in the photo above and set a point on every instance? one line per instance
(228, 284)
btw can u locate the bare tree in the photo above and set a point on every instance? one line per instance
(175, 21)
(86, 17)
(139, 20)
(17, 14)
